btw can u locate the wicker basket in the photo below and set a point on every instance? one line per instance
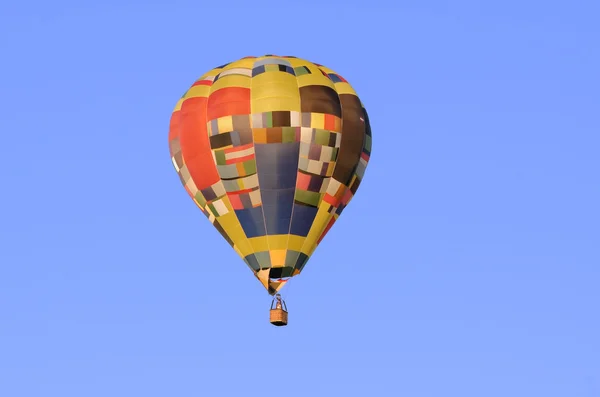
(279, 314)
(279, 317)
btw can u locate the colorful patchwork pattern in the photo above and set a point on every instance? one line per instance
(271, 149)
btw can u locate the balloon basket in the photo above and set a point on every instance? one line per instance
(278, 314)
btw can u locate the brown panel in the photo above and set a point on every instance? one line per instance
(320, 99)
(281, 119)
(353, 135)
(245, 136)
(274, 135)
(221, 140)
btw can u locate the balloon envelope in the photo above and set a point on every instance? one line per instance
(271, 149)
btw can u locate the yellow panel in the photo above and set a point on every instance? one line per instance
(317, 120)
(344, 88)
(278, 258)
(259, 244)
(295, 242)
(273, 91)
(232, 227)
(232, 80)
(274, 103)
(283, 88)
(314, 79)
(225, 124)
(245, 248)
(278, 241)
(197, 91)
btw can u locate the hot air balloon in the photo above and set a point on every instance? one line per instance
(271, 149)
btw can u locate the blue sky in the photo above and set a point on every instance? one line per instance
(478, 217)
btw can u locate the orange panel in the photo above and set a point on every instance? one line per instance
(302, 181)
(228, 102)
(202, 82)
(330, 122)
(174, 125)
(259, 135)
(195, 146)
(236, 202)
(331, 200)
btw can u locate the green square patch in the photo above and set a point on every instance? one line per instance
(306, 197)
(220, 157)
(250, 167)
(288, 134)
(200, 198)
(268, 119)
(322, 137)
(301, 70)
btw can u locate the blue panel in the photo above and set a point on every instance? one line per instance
(277, 165)
(278, 154)
(335, 78)
(302, 220)
(301, 262)
(277, 168)
(252, 262)
(277, 206)
(252, 221)
(258, 70)
(276, 181)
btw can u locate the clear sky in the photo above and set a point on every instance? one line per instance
(478, 219)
